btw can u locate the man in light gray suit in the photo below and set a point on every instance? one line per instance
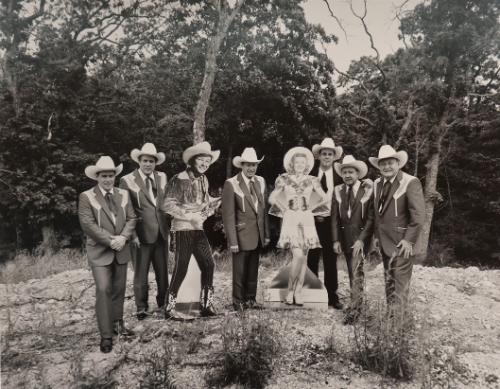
(147, 188)
(246, 226)
(108, 220)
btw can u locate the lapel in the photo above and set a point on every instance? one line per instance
(358, 198)
(102, 201)
(120, 217)
(142, 185)
(343, 197)
(394, 188)
(246, 192)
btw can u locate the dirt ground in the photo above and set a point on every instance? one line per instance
(50, 339)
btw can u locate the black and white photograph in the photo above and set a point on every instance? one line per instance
(254, 194)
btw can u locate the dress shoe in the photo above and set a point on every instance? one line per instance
(120, 329)
(337, 305)
(175, 315)
(106, 345)
(252, 304)
(142, 315)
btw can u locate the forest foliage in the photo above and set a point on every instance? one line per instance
(84, 78)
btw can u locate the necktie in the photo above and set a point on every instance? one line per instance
(253, 192)
(383, 197)
(110, 202)
(324, 186)
(150, 184)
(350, 200)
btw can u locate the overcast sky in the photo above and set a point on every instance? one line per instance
(380, 19)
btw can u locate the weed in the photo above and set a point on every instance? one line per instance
(157, 373)
(87, 380)
(250, 348)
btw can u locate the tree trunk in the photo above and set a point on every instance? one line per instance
(229, 161)
(48, 239)
(226, 17)
(431, 197)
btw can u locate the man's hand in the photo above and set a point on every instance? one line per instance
(118, 242)
(357, 248)
(266, 242)
(234, 249)
(336, 247)
(406, 248)
(136, 242)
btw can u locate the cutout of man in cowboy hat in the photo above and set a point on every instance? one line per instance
(246, 226)
(399, 210)
(352, 225)
(108, 220)
(147, 187)
(326, 153)
(189, 203)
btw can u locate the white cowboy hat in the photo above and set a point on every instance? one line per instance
(200, 148)
(387, 151)
(104, 164)
(328, 143)
(350, 161)
(249, 155)
(148, 149)
(287, 159)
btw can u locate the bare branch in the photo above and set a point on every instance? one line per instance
(336, 18)
(362, 118)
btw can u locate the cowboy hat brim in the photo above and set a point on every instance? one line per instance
(360, 166)
(192, 151)
(92, 171)
(401, 156)
(337, 150)
(135, 154)
(287, 159)
(237, 161)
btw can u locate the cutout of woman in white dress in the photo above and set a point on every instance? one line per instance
(296, 198)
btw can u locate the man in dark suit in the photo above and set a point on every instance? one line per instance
(147, 189)
(399, 210)
(108, 220)
(327, 153)
(245, 223)
(352, 225)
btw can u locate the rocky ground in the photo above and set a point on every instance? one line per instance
(50, 340)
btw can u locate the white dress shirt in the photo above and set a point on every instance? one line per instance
(330, 185)
(104, 192)
(247, 183)
(144, 178)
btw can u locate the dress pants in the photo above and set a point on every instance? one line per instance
(397, 275)
(110, 283)
(245, 274)
(356, 278)
(187, 243)
(157, 254)
(324, 230)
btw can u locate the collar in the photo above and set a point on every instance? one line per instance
(104, 191)
(144, 177)
(193, 175)
(247, 180)
(321, 171)
(355, 187)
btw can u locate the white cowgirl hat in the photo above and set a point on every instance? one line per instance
(387, 151)
(287, 160)
(104, 164)
(350, 161)
(328, 143)
(200, 148)
(148, 149)
(249, 155)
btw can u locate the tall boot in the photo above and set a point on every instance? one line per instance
(172, 314)
(207, 302)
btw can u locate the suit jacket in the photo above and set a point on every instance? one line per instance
(360, 225)
(151, 220)
(97, 224)
(403, 213)
(244, 225)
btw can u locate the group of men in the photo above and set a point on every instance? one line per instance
(145, 206)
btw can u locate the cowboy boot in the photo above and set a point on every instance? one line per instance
(172, 314)
(207, 302)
